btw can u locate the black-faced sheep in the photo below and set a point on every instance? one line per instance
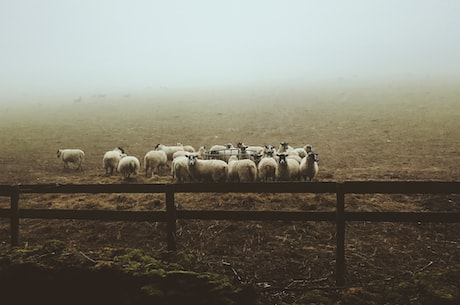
(75, 156)
(309, 167)
(287, 169)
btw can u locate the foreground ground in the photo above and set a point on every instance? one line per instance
(400, 134)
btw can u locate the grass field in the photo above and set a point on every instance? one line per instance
(408, 133)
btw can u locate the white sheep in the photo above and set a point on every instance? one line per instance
(244, 153)
(309, 167)
(169, 150)
(294, 157)
(129, 166)
(111, 158)
(220, 147)
(201, 154)
(244, 170)
(188, 148)
(302, 153)
(253, 149)
(179, 170)
(180, 153)
(286, 148)
(75, 156)
(222, 152)
(267, 168)
(154, 160)
(269, 150)
(207, 170)
(287, 169)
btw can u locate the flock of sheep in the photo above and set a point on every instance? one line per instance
(221, 163)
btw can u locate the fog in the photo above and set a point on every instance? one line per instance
(80, 50)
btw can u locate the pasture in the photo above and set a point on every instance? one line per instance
(407, 133)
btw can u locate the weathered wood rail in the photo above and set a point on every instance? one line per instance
(171, 214)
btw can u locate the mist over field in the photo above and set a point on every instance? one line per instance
(56, 52)
(373, 87)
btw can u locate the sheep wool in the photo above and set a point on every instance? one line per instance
(244, 170)
(75, 156)
(309, 167)
(129, 166)
(111, 158)
(288, 169)
(207, 170)
(153, 161)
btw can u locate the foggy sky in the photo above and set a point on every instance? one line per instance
(81, 48)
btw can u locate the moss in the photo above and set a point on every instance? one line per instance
(57, 274)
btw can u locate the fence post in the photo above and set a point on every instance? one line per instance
(14, 216)
(340, 233)
(171, 218)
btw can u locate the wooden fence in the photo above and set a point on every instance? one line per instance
(171, 214)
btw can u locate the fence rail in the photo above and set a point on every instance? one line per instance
(171, 214)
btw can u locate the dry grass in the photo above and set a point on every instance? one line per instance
(405, 134)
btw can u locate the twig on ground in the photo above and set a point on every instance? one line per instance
(87, 257)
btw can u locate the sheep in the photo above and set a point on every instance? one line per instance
(187, 148)
(294, 157)
(309, 167)
(308, 148)
(201, 154)
(179, 153)
(267, 168)
(244, 170)
(302, 153)
(207, 170)
(287, 169)
(153, 161)
(221, 147)
(269, 150)
(75, 156)
(253, 149)
(169, 150)
(243, 153)
(286, 148)
(223, 152)
(129, 166)
(111, 158)
(179, 170)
